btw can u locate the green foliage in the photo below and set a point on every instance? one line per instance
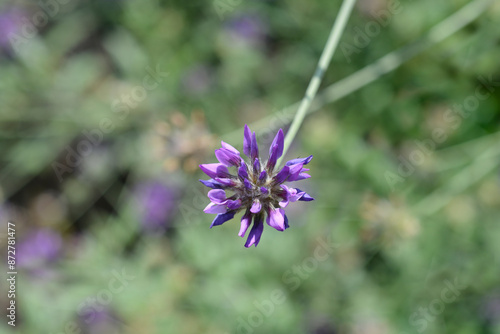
(111, 95)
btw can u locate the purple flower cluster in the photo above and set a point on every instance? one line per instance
(156, 202)
(256, 188)
(10, 23)
(39, 248)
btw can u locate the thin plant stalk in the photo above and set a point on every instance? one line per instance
(384, 65)
(324, 61)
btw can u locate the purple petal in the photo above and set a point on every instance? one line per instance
(279, 140)
(227, 158)
(212, 184)
(242, 171)
(276, 150)
(247, 141)
(276, 219)
(262, 175)
(233, 205)
(245, 223)
(284, 196)
(254, 151)
(247, 183)
(215, 208)
(286, 189)
(306, 197)
(286, 222)
(217, 196)
(215, 170)
(296, 196)
(293, 195)
(256, 206)
(226, 182)
(273, 157)
(264, 190)
(294, 172)
(229, 147)
(221, 218)
(282, 175)
(255, 232)
(256, 166)
(301, 176)
(303, 161)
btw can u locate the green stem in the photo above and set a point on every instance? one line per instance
(396, 58)
(324, 61)
(384, 65)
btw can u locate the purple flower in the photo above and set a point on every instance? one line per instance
(249, 29)
(257, 188)
(10, 23)
(156, 203)
(39, 248)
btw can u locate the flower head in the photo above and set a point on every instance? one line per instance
(247, 30)
(257, 188)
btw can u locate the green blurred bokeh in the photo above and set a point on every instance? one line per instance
(109, 106)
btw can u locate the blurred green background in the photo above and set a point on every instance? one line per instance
(107, 107)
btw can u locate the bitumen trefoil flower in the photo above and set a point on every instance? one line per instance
(256, 188)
